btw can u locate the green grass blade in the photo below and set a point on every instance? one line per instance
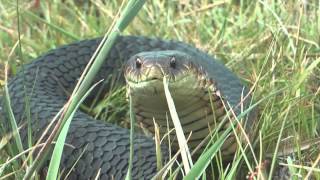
(202, 163)
(233, 170)
(185, 153)
(158, 146)
(274, 158)
(166, 167)
(12, 120)
(132, 123)
(58, 148)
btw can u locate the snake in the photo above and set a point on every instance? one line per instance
(202, 88)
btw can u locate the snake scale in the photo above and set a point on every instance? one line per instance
(46, 80)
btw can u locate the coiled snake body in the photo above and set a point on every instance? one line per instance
(201, 88)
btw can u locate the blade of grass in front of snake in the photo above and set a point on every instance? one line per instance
(233, 171)
(278, 143)
(87, 77)
(7, 136)
(12, 119)
(202, 163)
(164, 170)
(185, 153)
(58, 148)
(2, 170)
(76, 162)
(132, 123)
(292, 170)
(29, 151)
(158, 145)
(17, 157)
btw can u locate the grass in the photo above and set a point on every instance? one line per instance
(273, 46)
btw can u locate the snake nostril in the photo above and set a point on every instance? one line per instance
(138, 63)
(173, 62)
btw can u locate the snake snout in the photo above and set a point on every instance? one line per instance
(157, 68)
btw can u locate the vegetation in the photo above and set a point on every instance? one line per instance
(274, 46)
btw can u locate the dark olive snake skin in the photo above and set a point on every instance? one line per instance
(45, 80)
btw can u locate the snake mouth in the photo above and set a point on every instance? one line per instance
(144, 83)
(157, 82)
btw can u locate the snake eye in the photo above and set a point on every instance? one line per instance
(173, 62)
(138, 63)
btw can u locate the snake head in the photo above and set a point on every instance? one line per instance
(144, 72)
(155, 65)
